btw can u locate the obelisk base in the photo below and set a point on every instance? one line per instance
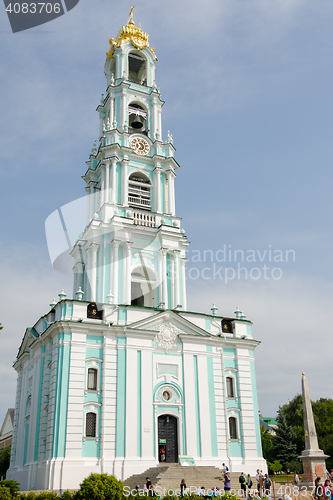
(314, 466)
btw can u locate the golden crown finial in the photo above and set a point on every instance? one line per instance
(131, 33)
(303, 374)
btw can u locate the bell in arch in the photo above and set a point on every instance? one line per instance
(138, 122)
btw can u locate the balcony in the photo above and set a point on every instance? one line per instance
(144, 219)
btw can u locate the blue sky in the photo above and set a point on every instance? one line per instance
(248, 99)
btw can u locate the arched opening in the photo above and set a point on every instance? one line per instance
(167, 439)
(137, 118)
(230, 387)
(137, 69)
(92, 379)
(91, 419)
(139, 191)
(143, 287)
(233, 428)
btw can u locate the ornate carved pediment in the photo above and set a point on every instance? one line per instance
(167, 337)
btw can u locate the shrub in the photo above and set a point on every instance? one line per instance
(47, 495)
(169, 497)
(14, 486)
(31, 495)
(100, 487)
(5, 493)
(67, 495)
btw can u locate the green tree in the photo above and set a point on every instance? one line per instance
(100, 487)
(275, 466)
(266, 441)
(284, 445)
(323, 417)
(4, 461)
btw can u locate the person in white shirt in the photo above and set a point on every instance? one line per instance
(258, 480)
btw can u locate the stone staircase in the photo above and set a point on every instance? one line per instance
(169, 477)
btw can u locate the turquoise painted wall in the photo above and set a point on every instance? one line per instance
(26, 439)
(60, 416)
(235, 449)
(121, 399)
(94, 352)
(39, 406)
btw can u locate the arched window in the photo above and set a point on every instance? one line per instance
(139, 191)
(137, 69)
(230, 387)
(143, 287)
(91, 424)
(92, 379)
(233, 428)
(137, 118)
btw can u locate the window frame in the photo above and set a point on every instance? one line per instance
(91, 412)
(95, 388)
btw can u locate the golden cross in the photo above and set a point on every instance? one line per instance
(131, 13)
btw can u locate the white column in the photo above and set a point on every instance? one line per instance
(154, 117)
(172, 281)
(101, 122)
(127, 280)
(89, 191)
(159, 111)
(92, 270)
(114, 252)
(123, 109)
(147, 429)
(111, 110)
(164, 278)
(102, 188)
(157, 192)
(171, 177)
(113, 180)
(184, 301)
(124, 183)
(131, 404)
(205, 432)
(190, 410)
(176, 278)
(107, 182)
(109, 402)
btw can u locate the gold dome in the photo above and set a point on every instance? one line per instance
(130, 32)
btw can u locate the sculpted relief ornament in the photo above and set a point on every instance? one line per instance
(167, 337)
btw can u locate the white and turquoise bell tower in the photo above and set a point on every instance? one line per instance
(132, 250)
(122, 376)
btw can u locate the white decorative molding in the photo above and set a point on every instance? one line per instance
(167, 337)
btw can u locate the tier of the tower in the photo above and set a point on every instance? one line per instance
(132, 250)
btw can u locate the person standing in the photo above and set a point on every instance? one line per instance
(242, 482)
(227, 482)
(182, 487)
(249, 484)
(267, 485)
(296, 479)
(258, 481)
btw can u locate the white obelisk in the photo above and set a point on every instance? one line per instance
(312, 457)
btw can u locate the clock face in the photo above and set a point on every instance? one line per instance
(140, 146)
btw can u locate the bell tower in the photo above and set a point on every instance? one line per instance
(132, 250)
